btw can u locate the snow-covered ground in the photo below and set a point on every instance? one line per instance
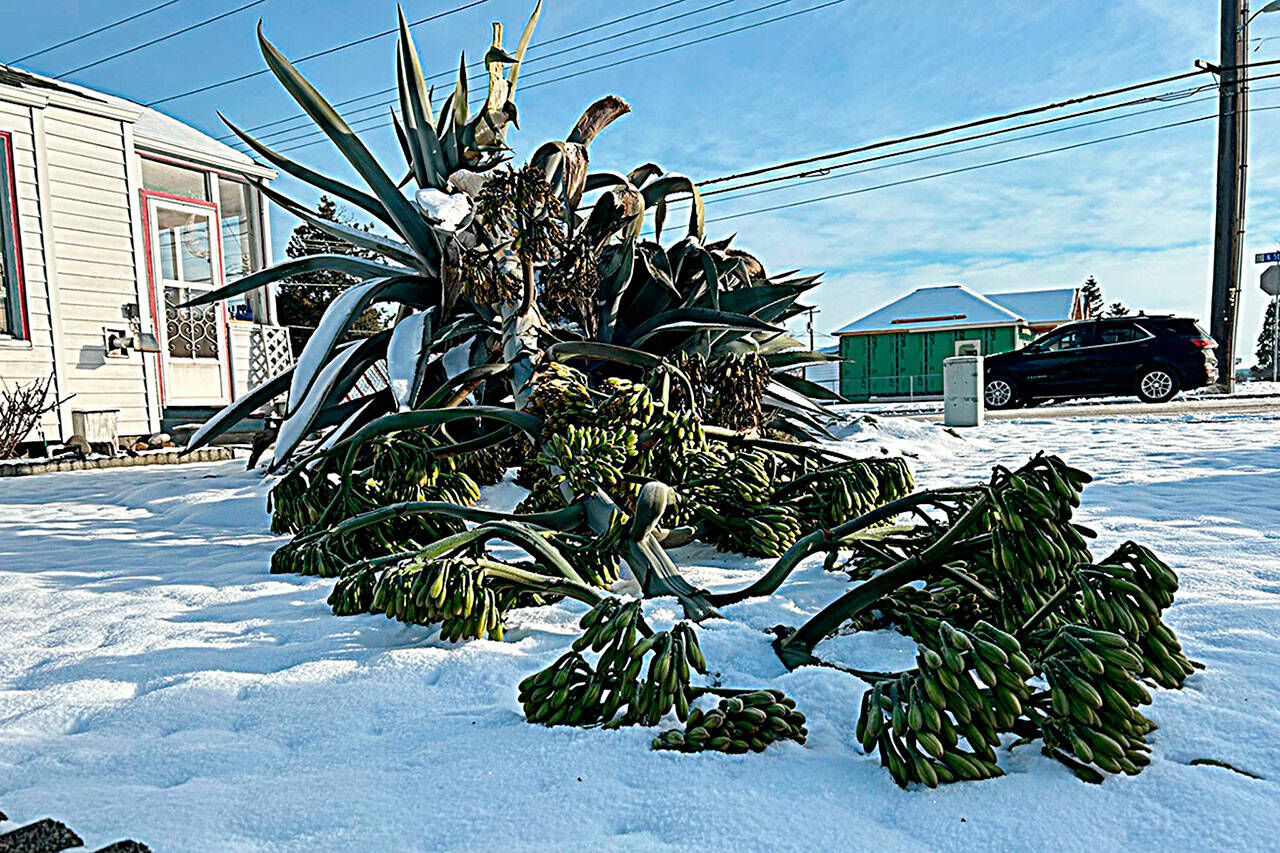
(157, 683)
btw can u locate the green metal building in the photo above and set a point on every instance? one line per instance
(897, 351)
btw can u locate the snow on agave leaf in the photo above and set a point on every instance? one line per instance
(406, 353)
(336, 319)
(298, 424)
(445, 211)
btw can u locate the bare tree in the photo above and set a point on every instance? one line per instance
(21, 410)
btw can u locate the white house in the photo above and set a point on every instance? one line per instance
(111, 214)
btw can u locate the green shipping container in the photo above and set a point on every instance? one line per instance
(909, 364)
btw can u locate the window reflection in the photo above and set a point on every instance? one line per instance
(184, 246)
(241, 245)
(174, 180)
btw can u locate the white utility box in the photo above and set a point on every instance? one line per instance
(97, 426)
(962, 385)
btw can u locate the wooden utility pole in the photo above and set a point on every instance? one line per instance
(1233, 157)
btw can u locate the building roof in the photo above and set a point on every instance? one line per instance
(152, 129)
(939, 307)
(1039, 307)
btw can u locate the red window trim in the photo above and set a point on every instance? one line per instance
(15, 238)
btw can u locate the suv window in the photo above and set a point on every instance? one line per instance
(1070, 339)
(1121, 334)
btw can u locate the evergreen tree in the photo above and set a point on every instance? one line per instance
(1091, 294)
(1266, 343)
(301, 300)
(1117, 309)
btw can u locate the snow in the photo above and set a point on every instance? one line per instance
(159, 684)
(940, 307)
(446, 211)
(1039, 307)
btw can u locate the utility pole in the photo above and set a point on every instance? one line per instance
(1233, 151)
(804, 371)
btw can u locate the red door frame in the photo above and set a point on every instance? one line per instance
(216, 261)
(11, 190)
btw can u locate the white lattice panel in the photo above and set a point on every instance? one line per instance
(270, 352)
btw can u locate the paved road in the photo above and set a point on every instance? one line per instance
(1241, 405)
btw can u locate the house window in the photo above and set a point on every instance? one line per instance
(172, 179)
(241, 227)
(12, 315)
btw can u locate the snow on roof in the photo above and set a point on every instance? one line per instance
(152, 129)
(938, 307)
(1040, 306)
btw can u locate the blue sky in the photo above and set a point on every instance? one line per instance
(1136, 213)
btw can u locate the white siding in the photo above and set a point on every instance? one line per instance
(96, 261)
(24, 361)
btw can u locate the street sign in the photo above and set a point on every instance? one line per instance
(1267, 258)
(1271, 280)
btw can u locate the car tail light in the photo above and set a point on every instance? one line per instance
(1204, 343)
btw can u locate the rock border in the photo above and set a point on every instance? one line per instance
(22, 468)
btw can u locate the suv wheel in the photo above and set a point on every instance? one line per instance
(1157, 385)
(1000, 393)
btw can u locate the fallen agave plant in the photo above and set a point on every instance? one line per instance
(643, 391)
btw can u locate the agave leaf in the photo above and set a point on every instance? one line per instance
(307, 408)
(809, 389)
(692, 317)
(596, 118)
(642, 173)
(779, 343)
(799, 358)
(403, 139)
(368, 352)
(513, 73)
(569, 350)
(615, 276)
(600, 180)
(460, 103)
(364, 410)
(415, 104)
(411, 148)
(347, 193)
(711, 273)
(439, 397)
(335, 321)
(408, 223)
(784, 398)
(406, 357)
(401, 421)
(338, 263)
(675, 183)
(788, 412)
(749, 300)
(392, 249)
(239, 410)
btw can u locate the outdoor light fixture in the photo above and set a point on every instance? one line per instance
(1273, 6)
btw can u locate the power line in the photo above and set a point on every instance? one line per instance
(969, 149)
(975, 167)
(638, 57)
(159, 39)
(334, 49)
(734, 193)
(94, 32)
(474, 66)
(928, 134)
(312, 132)
(1186, 93)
